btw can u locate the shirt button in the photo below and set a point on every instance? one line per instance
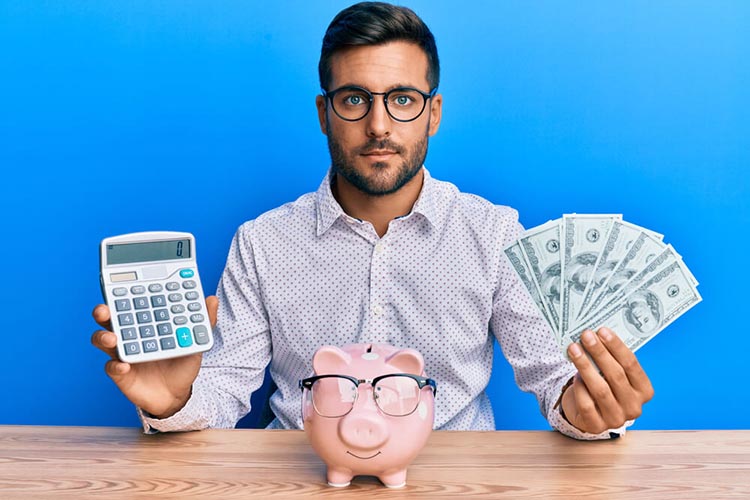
(377, 310)
(379, 248)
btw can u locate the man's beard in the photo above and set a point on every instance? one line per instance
(377, 185)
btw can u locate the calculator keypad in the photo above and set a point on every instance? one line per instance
(151, 320)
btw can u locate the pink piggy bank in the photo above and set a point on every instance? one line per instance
(368, 410)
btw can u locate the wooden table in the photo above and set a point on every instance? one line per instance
(115, 463)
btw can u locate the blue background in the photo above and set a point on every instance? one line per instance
(128, 116)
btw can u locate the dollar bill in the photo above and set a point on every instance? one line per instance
(584, 236)
(648, 308)
(642, 251)
(591, 270)
(620, 239)
(518, 262)
(541, 248)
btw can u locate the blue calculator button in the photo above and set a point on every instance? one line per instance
(186, 273)
(184, 337)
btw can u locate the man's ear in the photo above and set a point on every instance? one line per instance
(436, 113)
(320, 102)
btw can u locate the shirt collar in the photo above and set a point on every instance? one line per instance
(428, 205)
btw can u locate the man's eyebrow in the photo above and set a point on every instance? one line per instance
(388, 89)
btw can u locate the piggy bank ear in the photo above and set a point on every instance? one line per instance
(407, 361)
(330, 360)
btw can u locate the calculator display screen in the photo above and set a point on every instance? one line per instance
(127, 253)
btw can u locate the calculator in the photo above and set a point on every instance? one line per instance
(151, 284)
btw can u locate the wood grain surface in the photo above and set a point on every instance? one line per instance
(122, 463)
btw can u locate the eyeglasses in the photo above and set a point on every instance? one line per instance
(396, 394)
(403, 104)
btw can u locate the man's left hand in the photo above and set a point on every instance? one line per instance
(607, 397)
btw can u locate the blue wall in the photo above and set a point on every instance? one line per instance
(128, 116)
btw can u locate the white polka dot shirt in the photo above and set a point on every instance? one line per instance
(307, 274)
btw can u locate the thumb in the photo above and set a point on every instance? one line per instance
(212, 306)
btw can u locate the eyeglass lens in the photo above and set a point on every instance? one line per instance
(401, 104)
(395, 396)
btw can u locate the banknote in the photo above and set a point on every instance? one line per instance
(592, 270)
(584, 237)
(519, 264)
(541, 249)
(619, 240)
(648, 308)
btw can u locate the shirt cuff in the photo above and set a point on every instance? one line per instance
(189, 418)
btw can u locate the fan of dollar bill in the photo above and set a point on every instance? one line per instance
(592, 270)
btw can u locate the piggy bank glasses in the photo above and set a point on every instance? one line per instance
(395, 394)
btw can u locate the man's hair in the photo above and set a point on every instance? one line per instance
(377, 23)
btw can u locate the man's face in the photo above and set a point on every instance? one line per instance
(378, 155)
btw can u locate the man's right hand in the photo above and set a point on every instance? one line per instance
(161, 388)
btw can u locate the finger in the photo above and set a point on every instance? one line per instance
(212, 306)
(106, 341)
(588, 417)
(624, 357)
(116, 370)
(599, 390)
(608, 366)
(102, 316)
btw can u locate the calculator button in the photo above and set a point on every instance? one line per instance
(180, 320)
(191, 295)
(178, 308)
(140, 303)
(197, 318)
(147, 331)
(164, 329)
(188, 284)
(184, 338)
(201, 334)
(132, 348)
(128, 334)
(161, 315)
(154, 287)
(137, 289)
(122, 305)
(143, 316)
(150, 346)
(119, 291)
(186, 273)
(158, 301)
(167, 343)
(172, 286)
(175, 297)
(125, 319)
(194, 306)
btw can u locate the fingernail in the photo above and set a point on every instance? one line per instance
(605, 334)
(574, 350)
(588, 338)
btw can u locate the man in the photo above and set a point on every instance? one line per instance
(381, 253)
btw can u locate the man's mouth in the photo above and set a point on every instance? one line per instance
(379, 154)
(363, 458)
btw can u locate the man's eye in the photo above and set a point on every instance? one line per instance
(402, 100)
(354, 100)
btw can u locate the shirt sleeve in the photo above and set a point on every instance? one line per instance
(527, 342)
(234, 367)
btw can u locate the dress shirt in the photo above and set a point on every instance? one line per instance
(306, 274)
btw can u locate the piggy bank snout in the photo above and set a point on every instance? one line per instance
(365, 431)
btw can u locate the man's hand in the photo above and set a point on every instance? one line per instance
(160, 388)
(597, 401)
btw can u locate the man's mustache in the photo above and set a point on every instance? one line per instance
(379, 145)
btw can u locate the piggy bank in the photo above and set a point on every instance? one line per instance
(368, 410)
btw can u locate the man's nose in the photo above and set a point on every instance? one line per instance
(378, 121)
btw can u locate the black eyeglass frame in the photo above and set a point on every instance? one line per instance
(329, 95)
(307, 383)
